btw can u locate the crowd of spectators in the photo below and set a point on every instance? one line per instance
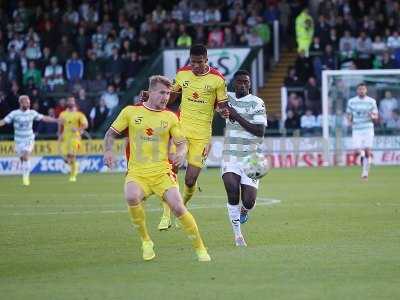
(96, 49)
(344, 35)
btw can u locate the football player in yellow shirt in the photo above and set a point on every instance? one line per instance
(72, 124)
(150, 128)
(202, 89)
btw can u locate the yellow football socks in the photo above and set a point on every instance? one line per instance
(139, 220)
(166, 210)
(188, 193)
(190, 226)
(74, 168)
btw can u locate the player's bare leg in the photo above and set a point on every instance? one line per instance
(232, 187)
(25, 168)
(366, 163)
(134, 196)
(192, 173)
(249, 195)
(174, 200)
(165, 222)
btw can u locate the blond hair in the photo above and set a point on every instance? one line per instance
(159, 79)
(20, 98)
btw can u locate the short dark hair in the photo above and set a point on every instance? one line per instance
(361, 84)
(198, 50)
(241, 72)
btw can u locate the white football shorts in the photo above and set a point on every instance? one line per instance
(229, 167)
(363, 138)
(24, 146)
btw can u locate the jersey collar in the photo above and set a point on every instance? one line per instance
(152, 109)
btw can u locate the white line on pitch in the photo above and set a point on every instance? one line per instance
(260, 202)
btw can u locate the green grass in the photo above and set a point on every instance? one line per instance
(331, 236)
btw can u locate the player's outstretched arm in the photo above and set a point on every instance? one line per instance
(108, 155)
(256, 129)
(48, 119)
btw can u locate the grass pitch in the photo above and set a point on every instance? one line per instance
(315, 234)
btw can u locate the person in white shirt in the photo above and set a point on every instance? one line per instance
(393, 41)
(110, 98)
(24, 137)
(362, 111)
(308, 122)
(244, 133)
(386, 106)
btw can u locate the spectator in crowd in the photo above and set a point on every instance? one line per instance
(347, 57)
(212, 15)
(48, 129)
(50, 36)
(13, 95)
(74, 68)
(45, 59)
(132, 68)
(32, 73)
(387, 62)
(60, 106)
(169, 40)
(312, 95)
(159, 15)
(364, 49)
(308, 122)
(386, 106)
(83, 102)
(114, 65)
(378, 46)
(98, 38)
(81, 41)
(32, 35)
(17, 43)
(4, 108)
(64, 50)
(110, 98)
(32, 50)
(316, 47)
(273, 125)
(253, 39)
(110, 45)
(13, 64)
(322, 29)
(229, 37)
(98, 115)
(295, 103)
(303, 66)
(184, 40)
(215, 37)
(292, 80)
(53, 74)
(292, 123)
(393, 124)
(304, 31)
(328, 59)
(93, 66)
(263, 30)
(196, 15)
(347, 42)
(393, 41)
